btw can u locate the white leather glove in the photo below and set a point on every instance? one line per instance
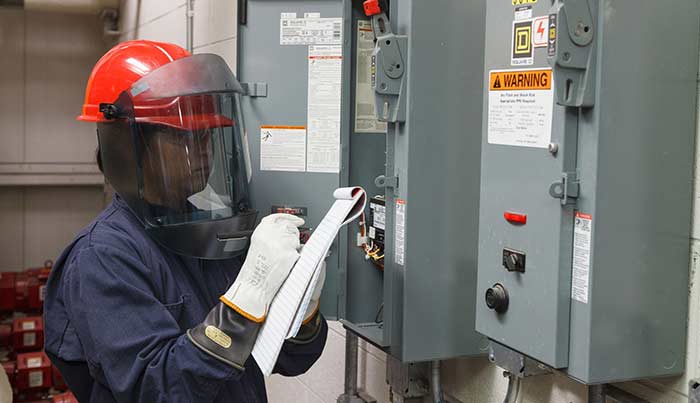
(5, 388)
(315, 301)
(274, 249)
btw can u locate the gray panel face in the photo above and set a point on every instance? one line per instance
(633, 153)
(284, 69)
(436, 158)
(517, 179)
(636, 166)
(364, 293)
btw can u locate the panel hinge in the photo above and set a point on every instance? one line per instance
(389, 71)
(567, 189)
(572, 52)
(255, 89)
(387, 181)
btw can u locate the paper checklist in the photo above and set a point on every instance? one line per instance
(289, 305)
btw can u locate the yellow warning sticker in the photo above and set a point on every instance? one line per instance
(521, 2)
(521, 80)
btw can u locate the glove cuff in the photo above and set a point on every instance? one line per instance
(309, 331)
(226, 335)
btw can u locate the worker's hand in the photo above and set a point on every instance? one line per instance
(229, 331)
(274, 249)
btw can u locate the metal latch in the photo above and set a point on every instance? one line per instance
(388, 66)
(255, 89)
(567, 189)
(383, 181)
(572, 51)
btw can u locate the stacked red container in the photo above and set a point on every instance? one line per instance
(7, 291)
(28, 334)
(5, 335)
(33, 371)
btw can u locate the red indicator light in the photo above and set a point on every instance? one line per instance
(515, 218)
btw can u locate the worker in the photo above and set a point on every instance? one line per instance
(161, 298)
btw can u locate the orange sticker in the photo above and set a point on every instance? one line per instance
(523, 80)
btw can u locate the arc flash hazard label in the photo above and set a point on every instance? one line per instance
(521, 80)
(521, 106)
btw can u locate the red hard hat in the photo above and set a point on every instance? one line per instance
(121, 67)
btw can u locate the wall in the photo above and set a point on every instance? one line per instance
(215, 24)
(46, 62)
(465, 380)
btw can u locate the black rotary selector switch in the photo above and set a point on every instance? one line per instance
(497, 298)
(513, 260)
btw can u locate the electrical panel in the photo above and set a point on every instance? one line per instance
(404, 276)
(587, 156)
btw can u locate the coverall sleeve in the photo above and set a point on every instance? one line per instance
(130, 338)
(297, 357)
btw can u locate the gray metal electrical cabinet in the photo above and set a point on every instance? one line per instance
(586, 180)
(421, 305)
(432, 182)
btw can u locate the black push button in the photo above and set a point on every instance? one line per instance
(497, 298)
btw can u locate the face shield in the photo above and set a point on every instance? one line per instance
(174, 149)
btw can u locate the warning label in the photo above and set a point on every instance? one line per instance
(519, 2)
(581, 266)
(400, 233)
(521, 80)
(521, 103)
(540, 31)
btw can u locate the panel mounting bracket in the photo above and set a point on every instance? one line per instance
(572, 52)
(255, 89)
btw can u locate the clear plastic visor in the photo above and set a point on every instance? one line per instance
(192, 160)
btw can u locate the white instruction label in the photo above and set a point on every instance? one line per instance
(580, 275)
(36, 379)
(310, 31)
(378, 216)
(323, 118)
(400, 250)
(29, 339)
(28, 325)
(34, 362)
(365, 107)
(283, 148)
(521, 105)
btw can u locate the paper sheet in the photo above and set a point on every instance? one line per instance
(294, 295)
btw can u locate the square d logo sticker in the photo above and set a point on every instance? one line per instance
(522, 44)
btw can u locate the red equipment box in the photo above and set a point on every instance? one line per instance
(21, 291)
(5, 336)
(28, 333)
(37, 285)
(33, 371)
(65, 398)
(7, 291)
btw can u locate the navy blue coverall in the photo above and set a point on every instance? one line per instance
(116, 312)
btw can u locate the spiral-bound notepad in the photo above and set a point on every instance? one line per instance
(288, 308)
